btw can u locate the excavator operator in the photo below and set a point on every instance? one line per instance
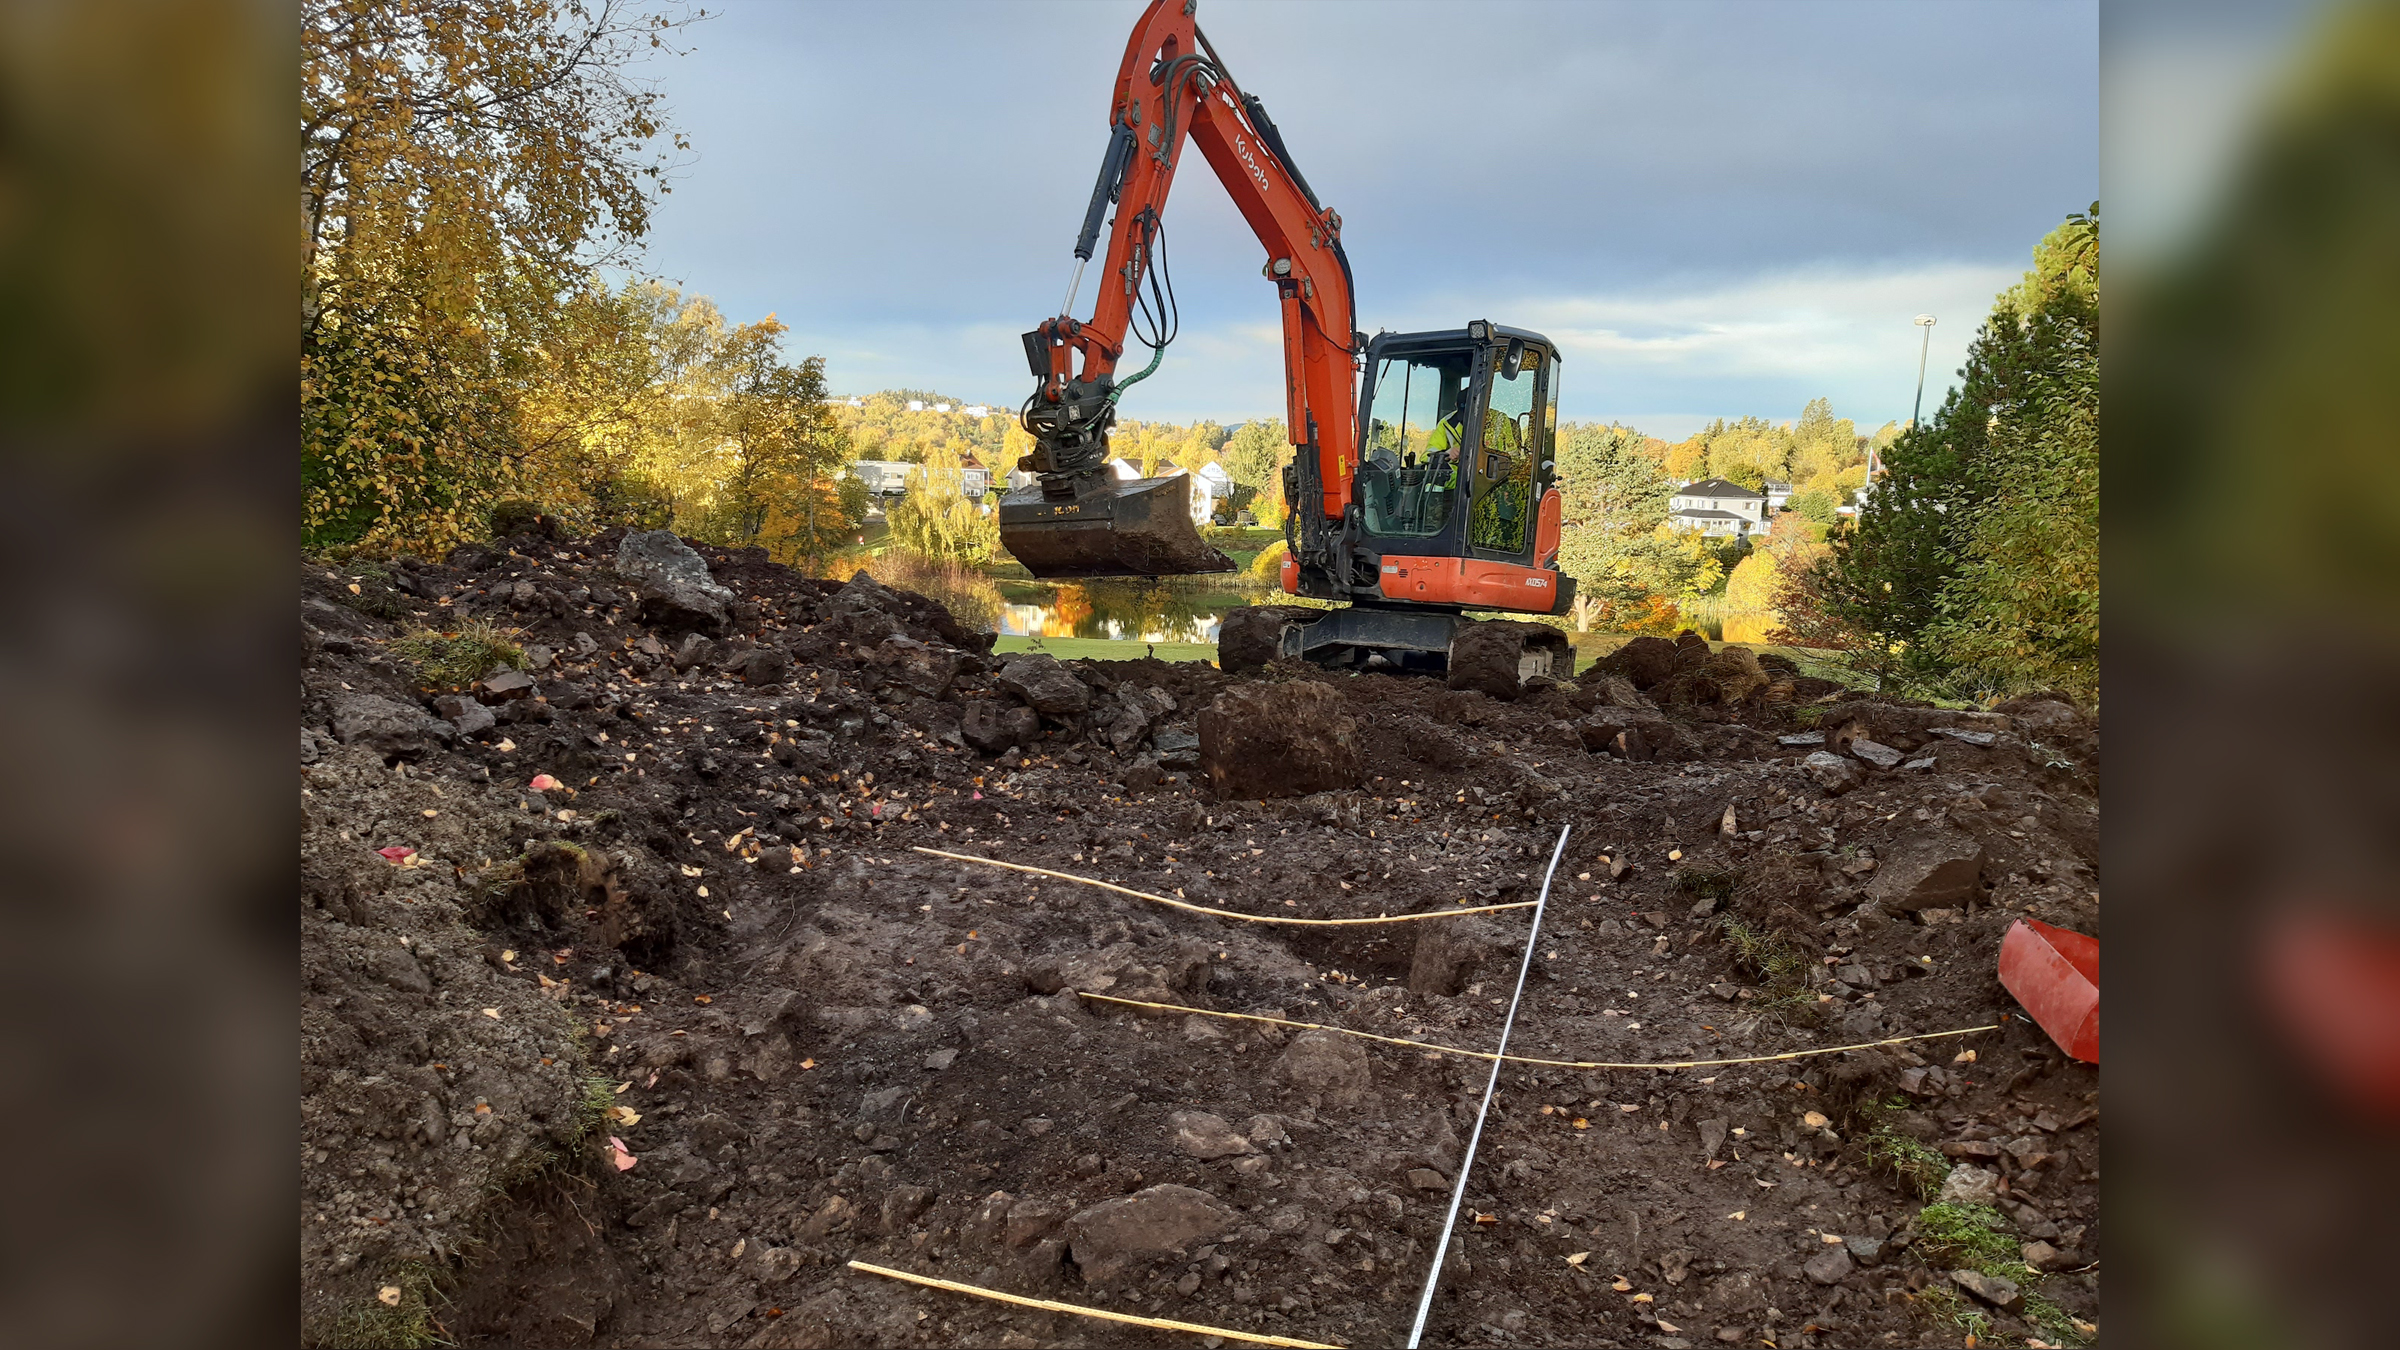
(1447, 442)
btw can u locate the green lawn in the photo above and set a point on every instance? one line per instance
(1589, 648)
(1107, 649)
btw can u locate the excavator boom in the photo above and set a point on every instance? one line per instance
(1077, 518)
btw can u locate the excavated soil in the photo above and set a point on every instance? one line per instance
(713, 942)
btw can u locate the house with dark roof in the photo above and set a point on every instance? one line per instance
(1714, 506)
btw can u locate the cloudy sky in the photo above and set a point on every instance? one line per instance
(1714, 209)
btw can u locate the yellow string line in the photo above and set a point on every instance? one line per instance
(1052, 1305)
(1223, 913)
(1528, 1059)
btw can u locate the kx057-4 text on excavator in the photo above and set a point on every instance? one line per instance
(1426, 494)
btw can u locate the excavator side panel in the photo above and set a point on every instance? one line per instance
(1474, 584)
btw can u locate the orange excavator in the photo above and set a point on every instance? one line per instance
(1423, 495)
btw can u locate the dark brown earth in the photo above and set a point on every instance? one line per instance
(838, 1048)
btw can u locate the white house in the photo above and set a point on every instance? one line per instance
(1714, 506)
(1209, 486)
(1778, 493)
(916, 405)
(977, 410)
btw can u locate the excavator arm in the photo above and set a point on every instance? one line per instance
(1074, 519)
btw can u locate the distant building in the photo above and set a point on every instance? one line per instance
(1778, 492)
(1209, 486)
(941, 407)
(1714, 506)
(977, 410)
(883, 477)
(889, 478)
(916, 405)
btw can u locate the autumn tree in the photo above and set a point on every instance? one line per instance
(937, 519)
(463, 163)
(1254, 457)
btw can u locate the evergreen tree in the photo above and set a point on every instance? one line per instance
(1921, 587)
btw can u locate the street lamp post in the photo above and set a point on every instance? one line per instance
(1924, 321)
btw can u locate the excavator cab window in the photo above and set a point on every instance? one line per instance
(1502, 496)
(1410, 474)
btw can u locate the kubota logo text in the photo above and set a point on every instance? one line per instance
(1242, 148)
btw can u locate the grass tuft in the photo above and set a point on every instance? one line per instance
(1703, 881)
(1779, 967)
(1970, 1237)
(1919, 1165)
(1945, 1304)
(454, 660)
(406, 1325)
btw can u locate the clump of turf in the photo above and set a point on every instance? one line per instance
(450, 660)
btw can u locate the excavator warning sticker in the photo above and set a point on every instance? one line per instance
(1537, 581)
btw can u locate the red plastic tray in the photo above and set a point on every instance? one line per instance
(2055, 973)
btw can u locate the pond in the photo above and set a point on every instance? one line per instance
(1127, 611)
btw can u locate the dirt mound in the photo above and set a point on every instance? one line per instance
(1285, 739)
(663, 889)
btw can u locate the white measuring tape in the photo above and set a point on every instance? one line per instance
(1458, 1193)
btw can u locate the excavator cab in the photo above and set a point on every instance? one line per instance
(1456, 458)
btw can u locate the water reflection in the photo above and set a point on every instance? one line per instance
(1126, 611)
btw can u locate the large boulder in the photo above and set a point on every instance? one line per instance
(672, 584)
(1046, 686)
(1327, 1068)
(1936, 868)
(920, 666)
(1285, 739)
(991, 725)
(381, 724)
(1116, 1236)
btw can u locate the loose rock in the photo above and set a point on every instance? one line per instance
(1112, 1237)
(1046, 686)
(2000, 1292)
(1876, 753)
(1934, 868)
(1832, 772)
(1201, 1135)
(1968, 1184)
(1831, 1266)
(1327, 1069)
(380, 723)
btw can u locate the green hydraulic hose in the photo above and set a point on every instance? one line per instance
(1157, 354)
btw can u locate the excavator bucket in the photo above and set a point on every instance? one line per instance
(1140, 527)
